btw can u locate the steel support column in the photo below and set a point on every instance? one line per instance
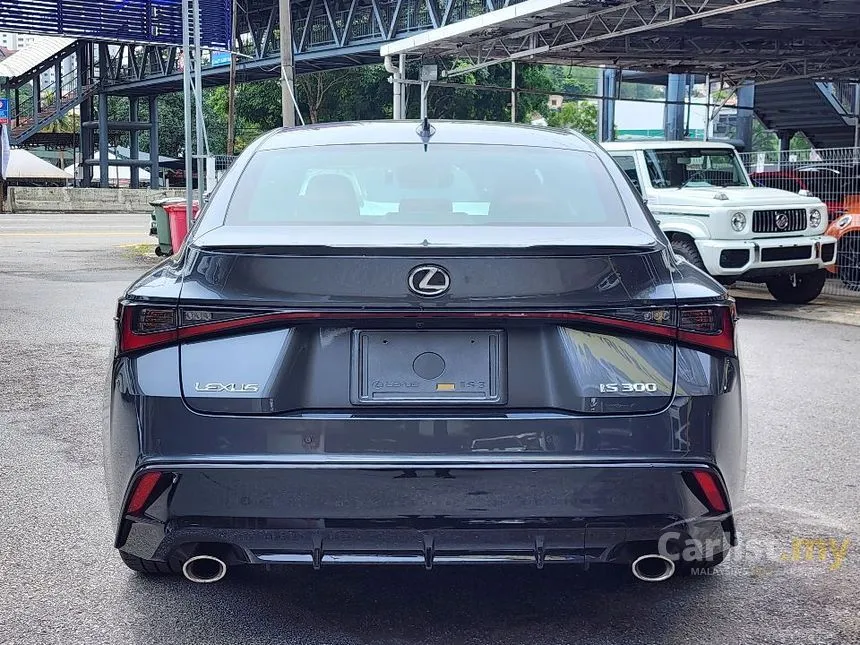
(86, 111)
(856, 117)
(608, 88)
(37, 97)
(404, 89)
(187, 100)
(154, 165)
(287, 65)
(104, 172)
(745, 114)
(785, 138)
(513, 91)
(58, 85)
(676, 90)
(134, 144)
(198, 102)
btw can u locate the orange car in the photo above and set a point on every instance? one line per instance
(846, 229)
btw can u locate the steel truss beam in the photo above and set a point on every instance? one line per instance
(673, 35)
(326, 34)
(696, 50)
(761, 60)
(554, 41)
(838, 66)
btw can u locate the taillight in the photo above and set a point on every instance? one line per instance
(148, 326)
(708, 327)
(144, 326)
(142, 492)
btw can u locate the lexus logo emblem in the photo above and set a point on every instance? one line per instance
(782, 221)
(429, 281)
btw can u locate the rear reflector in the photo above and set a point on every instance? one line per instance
(143, 488)
(710, 487)
(145, 326)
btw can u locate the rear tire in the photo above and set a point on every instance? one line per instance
(149, 567)
(686, 248)
(798, 289)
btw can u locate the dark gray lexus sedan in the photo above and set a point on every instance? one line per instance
(427, 344)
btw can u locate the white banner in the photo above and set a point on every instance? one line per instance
(6, 151)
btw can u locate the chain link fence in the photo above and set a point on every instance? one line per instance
(833, 176)
(222, 165)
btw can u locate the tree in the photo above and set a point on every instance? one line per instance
(573, 80)
(171, 124)
(642, 91)
(360, 93)
(799, 142)
(68, 123)
(763, 139)
(577, 115)
(314, 89)
(474, 103)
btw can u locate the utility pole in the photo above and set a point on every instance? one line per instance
(513, 91)
(187, 100)
(198, 100)
(856, 118)
(287, 69)
(231, 96)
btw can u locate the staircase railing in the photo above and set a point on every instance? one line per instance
(33, 113)
(844, 92)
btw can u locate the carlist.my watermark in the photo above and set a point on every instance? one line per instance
(754, 553)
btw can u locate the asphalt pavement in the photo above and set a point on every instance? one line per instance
(61, 581)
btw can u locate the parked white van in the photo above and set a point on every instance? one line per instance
(702, 197)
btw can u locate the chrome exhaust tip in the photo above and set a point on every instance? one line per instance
(653, 568)
(204, 568)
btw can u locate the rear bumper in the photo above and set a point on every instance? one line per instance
(424, 513)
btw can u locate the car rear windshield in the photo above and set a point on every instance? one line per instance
(446, 184)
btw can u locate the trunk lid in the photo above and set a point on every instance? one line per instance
(516, 330)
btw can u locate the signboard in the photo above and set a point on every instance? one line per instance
(220, 58)
(126, 21)
(4, 111)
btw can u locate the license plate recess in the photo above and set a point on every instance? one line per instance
(428, 366)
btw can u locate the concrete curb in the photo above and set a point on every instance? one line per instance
(24, 199)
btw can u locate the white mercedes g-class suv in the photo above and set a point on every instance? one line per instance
(702, 197)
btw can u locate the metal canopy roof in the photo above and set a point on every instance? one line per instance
(762, 40)
(42, 48)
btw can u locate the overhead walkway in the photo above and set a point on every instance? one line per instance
(327, 35)
(43, 85)
(822, 111)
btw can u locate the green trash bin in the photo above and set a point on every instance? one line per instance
(161, 224)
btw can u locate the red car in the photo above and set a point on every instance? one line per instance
(846, 229)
